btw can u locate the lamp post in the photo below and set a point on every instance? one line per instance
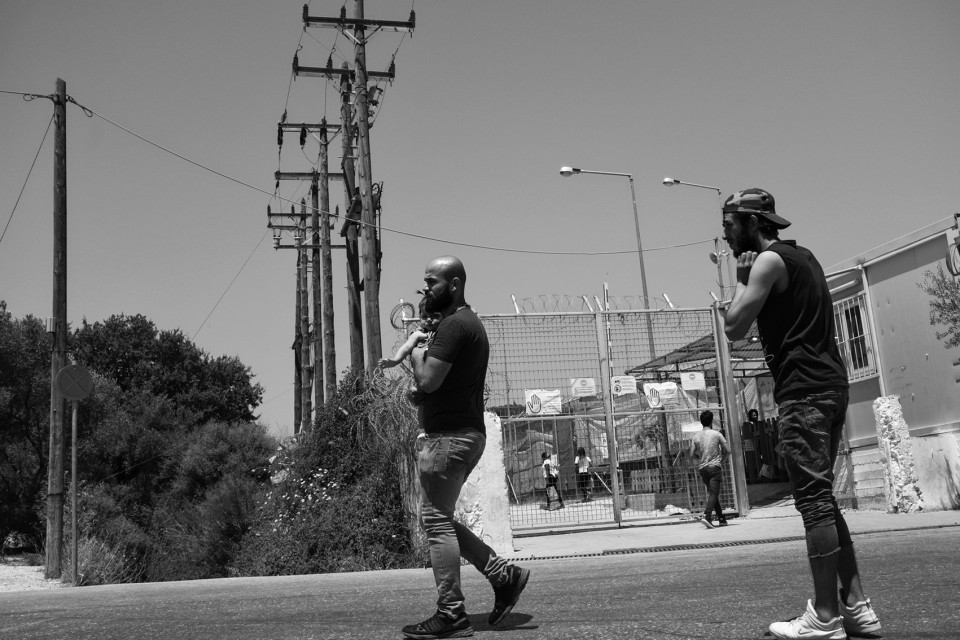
(715, 256)
(566, 172)
(724, 373)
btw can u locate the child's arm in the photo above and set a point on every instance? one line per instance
(403, 351)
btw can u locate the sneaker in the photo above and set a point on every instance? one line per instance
(506, 596)
(723, 523)
(860, 619)
(809, 627)
(440, 625)
(706, 522)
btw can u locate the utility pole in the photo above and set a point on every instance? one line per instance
(350, 226)
(58, 405)
(297, 368)
(317, 333)
(329, 348)
(371, 277)
(306, 375)
(360, 202)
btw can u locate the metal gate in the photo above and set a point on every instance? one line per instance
(622, 388)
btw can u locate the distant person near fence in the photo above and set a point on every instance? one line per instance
(710, 447)
(551, 475)
(583, 463)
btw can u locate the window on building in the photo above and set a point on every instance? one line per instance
(853, 337)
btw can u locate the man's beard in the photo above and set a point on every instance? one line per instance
(746, 243)
(439, 302)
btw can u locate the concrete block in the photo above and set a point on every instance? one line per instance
(896, 454)
(483, 505)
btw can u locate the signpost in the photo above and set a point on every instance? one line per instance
(74, 384)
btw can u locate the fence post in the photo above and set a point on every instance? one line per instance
(608, 414)
(728, 397)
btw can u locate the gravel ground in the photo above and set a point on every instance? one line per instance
(16, 575)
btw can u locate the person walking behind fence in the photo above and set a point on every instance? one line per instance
(711, 448)
(783, 287)
(551, 474)
(583, 473)
(450, 374)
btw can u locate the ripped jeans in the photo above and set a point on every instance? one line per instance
(811, 427)
(444, 461)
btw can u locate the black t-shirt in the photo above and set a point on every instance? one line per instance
(796, 328)
(457, 405)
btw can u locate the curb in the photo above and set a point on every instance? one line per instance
(708, 545)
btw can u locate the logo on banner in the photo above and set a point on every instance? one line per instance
(623, 385)
(581, 387)
(543, 402)
(653, 397)
(693, 381)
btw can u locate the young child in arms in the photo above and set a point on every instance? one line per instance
(423, 333)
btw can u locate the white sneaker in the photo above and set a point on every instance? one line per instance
(809, 627)
(860, 619)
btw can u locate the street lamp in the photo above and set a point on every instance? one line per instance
(566, 172)
(715, 256)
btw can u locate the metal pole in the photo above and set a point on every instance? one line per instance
(728, 398)
(611, 428)
(643, 272)
(716, 253)
(73, 492)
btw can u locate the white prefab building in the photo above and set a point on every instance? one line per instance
(883, 325)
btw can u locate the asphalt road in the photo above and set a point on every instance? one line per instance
(912, 577)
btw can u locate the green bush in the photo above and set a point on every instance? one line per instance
(103, 561)
(337, 502)
(111, 547)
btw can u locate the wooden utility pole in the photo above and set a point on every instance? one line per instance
(329, 348)
(306, 375)
(350, 227)
(58, 405)
(297, 366)
(371, 278)
(317, 333)
(359, 202)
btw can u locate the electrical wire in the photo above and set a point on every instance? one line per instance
(27, 97)
(32, 164)
(229, 285)
(396, 231)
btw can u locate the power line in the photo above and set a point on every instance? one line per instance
(32, 164)
(383, 228)
(229, 285)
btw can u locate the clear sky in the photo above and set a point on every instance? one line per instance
(846, 111)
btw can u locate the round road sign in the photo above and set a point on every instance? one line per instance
(74, 382)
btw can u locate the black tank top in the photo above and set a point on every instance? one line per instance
(796, 329)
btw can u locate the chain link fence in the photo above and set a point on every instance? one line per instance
(622, 388)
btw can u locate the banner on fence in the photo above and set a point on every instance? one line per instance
(543, 402)
(583, 387)
(623, 385)
(693, 381)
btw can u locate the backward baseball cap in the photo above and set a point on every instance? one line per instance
(757, 202)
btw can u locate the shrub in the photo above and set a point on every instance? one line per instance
(109, 560)
(338, 499)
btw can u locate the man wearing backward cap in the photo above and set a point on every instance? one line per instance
(782, 286)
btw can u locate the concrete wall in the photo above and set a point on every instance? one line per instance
(483, 505)
(937, 459)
